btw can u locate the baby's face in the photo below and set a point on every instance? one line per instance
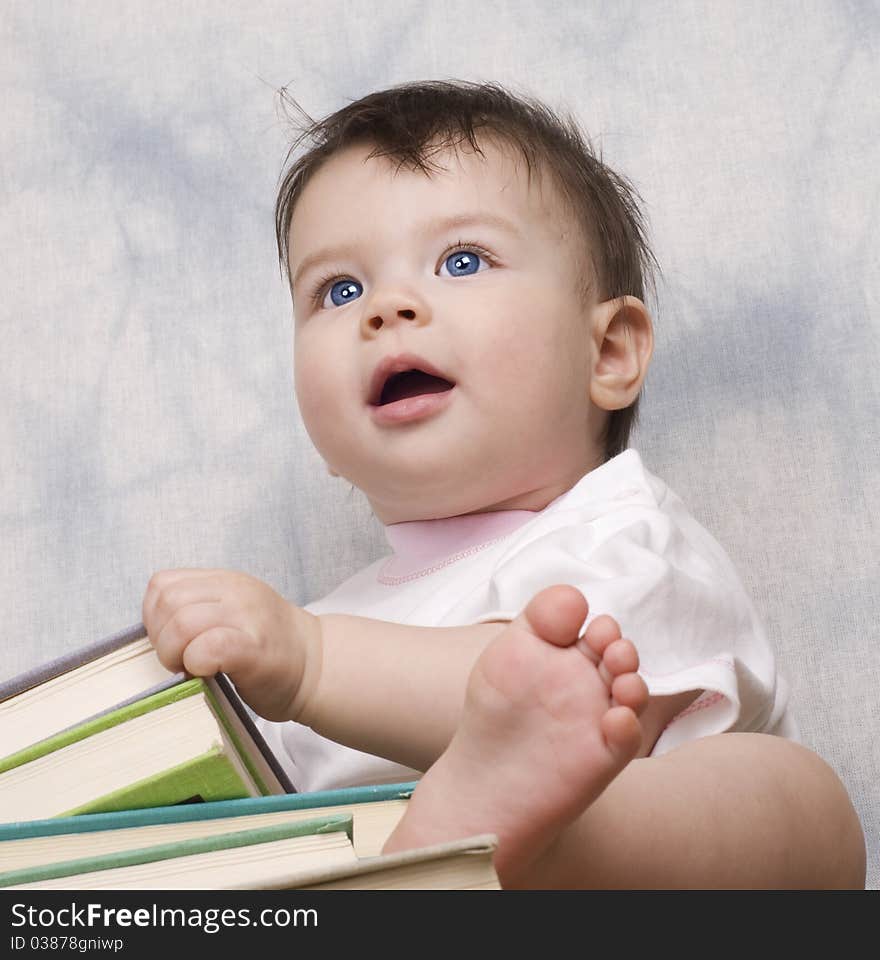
(467, 276)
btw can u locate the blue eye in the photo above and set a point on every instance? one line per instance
(462, 263)
(344, 291)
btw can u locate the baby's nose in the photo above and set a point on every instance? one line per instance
(377, 321)
(394, 300)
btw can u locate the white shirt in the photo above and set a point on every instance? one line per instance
(623, 538)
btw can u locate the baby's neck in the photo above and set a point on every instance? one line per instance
(530, 500)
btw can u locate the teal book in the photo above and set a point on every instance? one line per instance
(263, 857)
(374, 811)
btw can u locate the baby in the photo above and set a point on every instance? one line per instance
(565, 651)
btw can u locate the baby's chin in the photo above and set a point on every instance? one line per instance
(417, 506)
(431, 487)
(467, 497)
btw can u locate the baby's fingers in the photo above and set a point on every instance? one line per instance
(178, 632)
(220, 649)
(169, 590)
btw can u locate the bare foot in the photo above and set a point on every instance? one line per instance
(549, 720)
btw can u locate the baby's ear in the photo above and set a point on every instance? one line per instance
(623, 342)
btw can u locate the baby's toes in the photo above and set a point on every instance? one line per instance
(622, 732)
(620, 657)
(555, 614)
(601, 632)
(630, 690)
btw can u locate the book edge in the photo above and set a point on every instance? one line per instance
(68, 661)
(480, 845)
(179, 848)
(103, 721)
(227, 687)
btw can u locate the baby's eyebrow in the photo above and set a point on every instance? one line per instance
(437, 225)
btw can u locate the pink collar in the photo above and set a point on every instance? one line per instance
(421, 546)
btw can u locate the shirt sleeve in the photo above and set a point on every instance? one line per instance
(676, 596)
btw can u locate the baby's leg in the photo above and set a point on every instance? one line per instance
(549, 720)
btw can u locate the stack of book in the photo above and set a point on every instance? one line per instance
(119, 775)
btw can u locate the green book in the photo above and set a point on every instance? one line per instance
(374, 811)
(174, 746)
(98, 679)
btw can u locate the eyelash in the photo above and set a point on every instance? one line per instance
(319, 290)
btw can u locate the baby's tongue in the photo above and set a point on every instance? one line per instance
(412, 383)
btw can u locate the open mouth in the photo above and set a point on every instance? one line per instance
(411, 383)
(403, 377)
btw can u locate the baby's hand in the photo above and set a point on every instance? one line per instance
(208, 621)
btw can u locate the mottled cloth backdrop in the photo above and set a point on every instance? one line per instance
(147, 417)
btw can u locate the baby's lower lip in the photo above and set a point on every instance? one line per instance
(410, 409)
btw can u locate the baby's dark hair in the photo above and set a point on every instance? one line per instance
(409, 122)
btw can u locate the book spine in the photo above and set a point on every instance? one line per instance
(184, 848)
(86, 823)
(231, 694)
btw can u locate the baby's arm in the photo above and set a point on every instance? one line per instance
(389, 689)
(392, 690)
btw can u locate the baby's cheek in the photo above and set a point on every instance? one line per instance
(320, 398)
(310, 375)
(314, 405)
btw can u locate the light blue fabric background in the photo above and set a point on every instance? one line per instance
(147, 418)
